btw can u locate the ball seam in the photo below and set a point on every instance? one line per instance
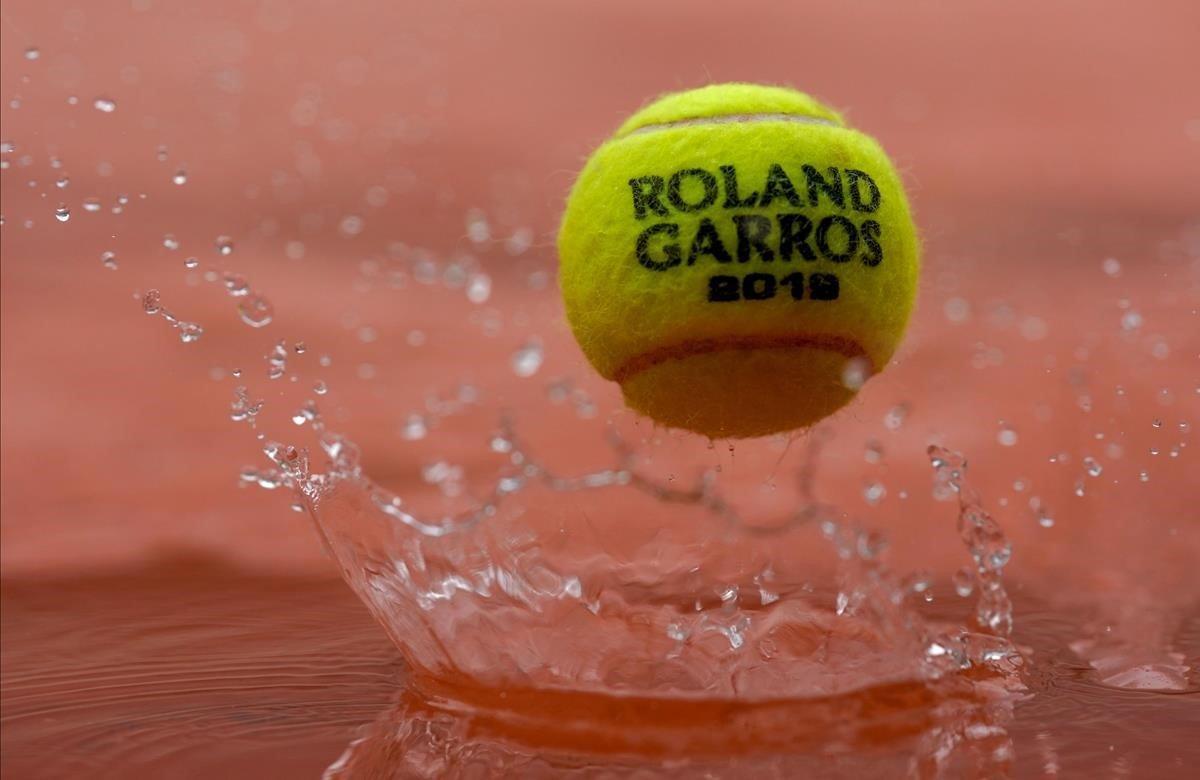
(848, 348)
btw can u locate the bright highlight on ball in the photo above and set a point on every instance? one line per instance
(731, 253)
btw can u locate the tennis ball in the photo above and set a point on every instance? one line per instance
(738, 259)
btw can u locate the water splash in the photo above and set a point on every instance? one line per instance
(189, 332)
(984, 539)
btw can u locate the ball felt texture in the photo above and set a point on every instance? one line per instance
(729, 251)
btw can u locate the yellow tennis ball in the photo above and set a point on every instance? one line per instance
(738, 259)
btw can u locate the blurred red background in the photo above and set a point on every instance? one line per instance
(1013, 124)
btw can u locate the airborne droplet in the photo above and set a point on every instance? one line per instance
(855, 373)
(255, 310)
(189, 332)
(479, 288)
(527, 359)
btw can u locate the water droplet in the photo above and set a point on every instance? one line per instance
(870, 544)
(91, 204)
(956, 309)
(896, 416)
(415, 428)
(1143, 476)
(855, 373)
(874, 492)
(415, 338)
(873, 452)
(189, 332)
(255, 310)
(72, 100)
(1033, 328)
(7, 147)
(294, 250)
(191, 262)
(236, 286)
(1006, 436)
(180, 178)
(519, 242)
(478, 229)
(277, 360)
(109, 260)
(300, 347)
(320, 388)
(1157, 423)
(224, 245)
(479, 288)
(170, 242)
(1044, 518)
(62, 182)
(377, 196)
(62, 213)
(106, 105)
(160, 154)
(1092, 466)
(1184, 426)
(527, 359)
(242, 410)
(1131, 320)
(32, 53)
(1111, 267)
(964, 582)
(351, 225)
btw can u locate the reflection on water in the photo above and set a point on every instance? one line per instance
(892, 729)
(191, 668)
(186, 668)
